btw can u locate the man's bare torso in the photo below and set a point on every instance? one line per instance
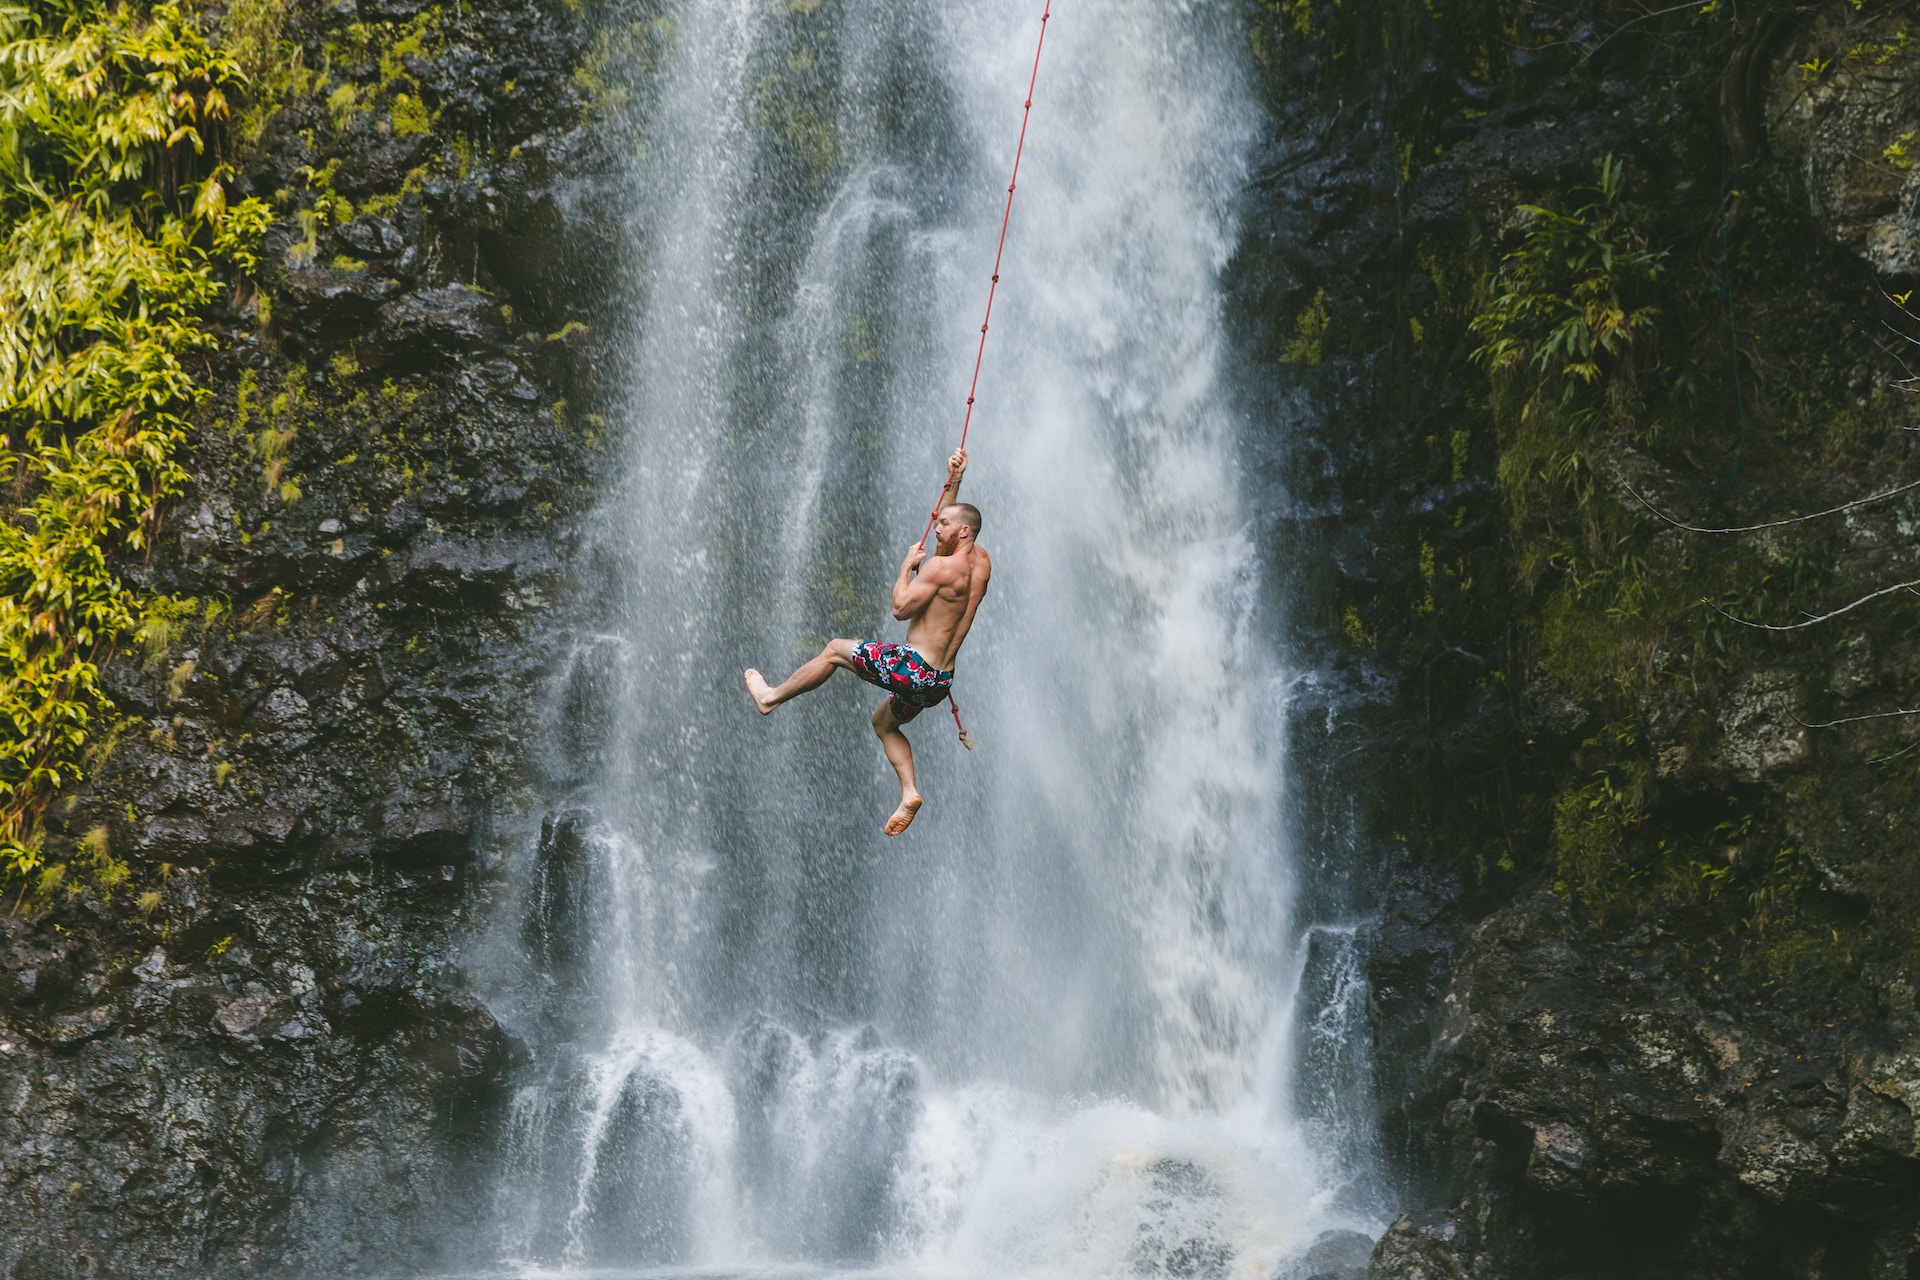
(960, 582)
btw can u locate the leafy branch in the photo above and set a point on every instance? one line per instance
(1564, 300)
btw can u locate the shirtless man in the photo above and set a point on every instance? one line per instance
(937, 603)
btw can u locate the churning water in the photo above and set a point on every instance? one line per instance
(1050, 1032)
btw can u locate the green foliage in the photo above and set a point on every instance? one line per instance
(1309, 333)
(409, 114)
(1593, 830)
(113, 124)
(237, 238)
(273, 68)
(793, 102)
(623, 55)
(1604, 366)
(1569, 301)
(1558, 335)
(378, 52)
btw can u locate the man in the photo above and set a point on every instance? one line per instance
(937, 597)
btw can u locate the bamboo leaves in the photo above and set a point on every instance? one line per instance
(1565, 300)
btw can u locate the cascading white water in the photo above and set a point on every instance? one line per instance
(1047, 1032)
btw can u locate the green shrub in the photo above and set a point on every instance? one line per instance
(1569, 301)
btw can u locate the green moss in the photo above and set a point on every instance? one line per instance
(622, 57)
(1309, 333)
(274, 68)
(343, 104)
(409, 114)
(863, 343)
(1594, 828)
(1355, 630)
(807, 131)
(794, 104)
(1426, 607)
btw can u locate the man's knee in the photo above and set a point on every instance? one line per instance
(883, 721)
(839, 652)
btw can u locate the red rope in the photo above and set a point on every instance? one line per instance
(1006, 217)
(993, 286)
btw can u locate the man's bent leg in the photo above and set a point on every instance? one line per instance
(900, 756)
(811, 675)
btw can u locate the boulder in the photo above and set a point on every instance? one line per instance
(1581, 1081)
(1841, 112)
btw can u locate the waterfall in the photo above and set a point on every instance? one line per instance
(1050, 1031)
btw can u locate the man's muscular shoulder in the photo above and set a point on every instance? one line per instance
(946, 569)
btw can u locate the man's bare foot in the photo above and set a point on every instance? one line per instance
(903, 816)
(757, 686)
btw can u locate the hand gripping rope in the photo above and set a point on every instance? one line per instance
(980, 352)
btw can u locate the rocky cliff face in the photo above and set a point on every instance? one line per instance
(1605, 1113)
(276, 1067)
(1642, 936)
(1641, 963)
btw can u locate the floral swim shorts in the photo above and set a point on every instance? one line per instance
(912, 682)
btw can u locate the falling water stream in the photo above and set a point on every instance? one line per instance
(1054, 1030)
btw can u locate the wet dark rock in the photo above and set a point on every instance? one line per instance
(1420, 1246)
(1648, 492)
(1839, 866)
(1856, 671)
(380, 160)
(1847, 131)
(73, 1028)
(282, 721)
(472, 570)
(1500, 166)
(1762, 731)
(450, 320)
(1336, 1255)
(243, 829)
(555, 928)
(1558, 718)
(1580, 1082)
(372, 236)
(326, 303)
(171, 837)
(425, 833)
(1578, 1087)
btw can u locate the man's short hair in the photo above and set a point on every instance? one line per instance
(969, 514)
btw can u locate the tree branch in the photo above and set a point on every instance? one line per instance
(1795, 626)
(1771, 524)
(1896, 755)
(1877, 715)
